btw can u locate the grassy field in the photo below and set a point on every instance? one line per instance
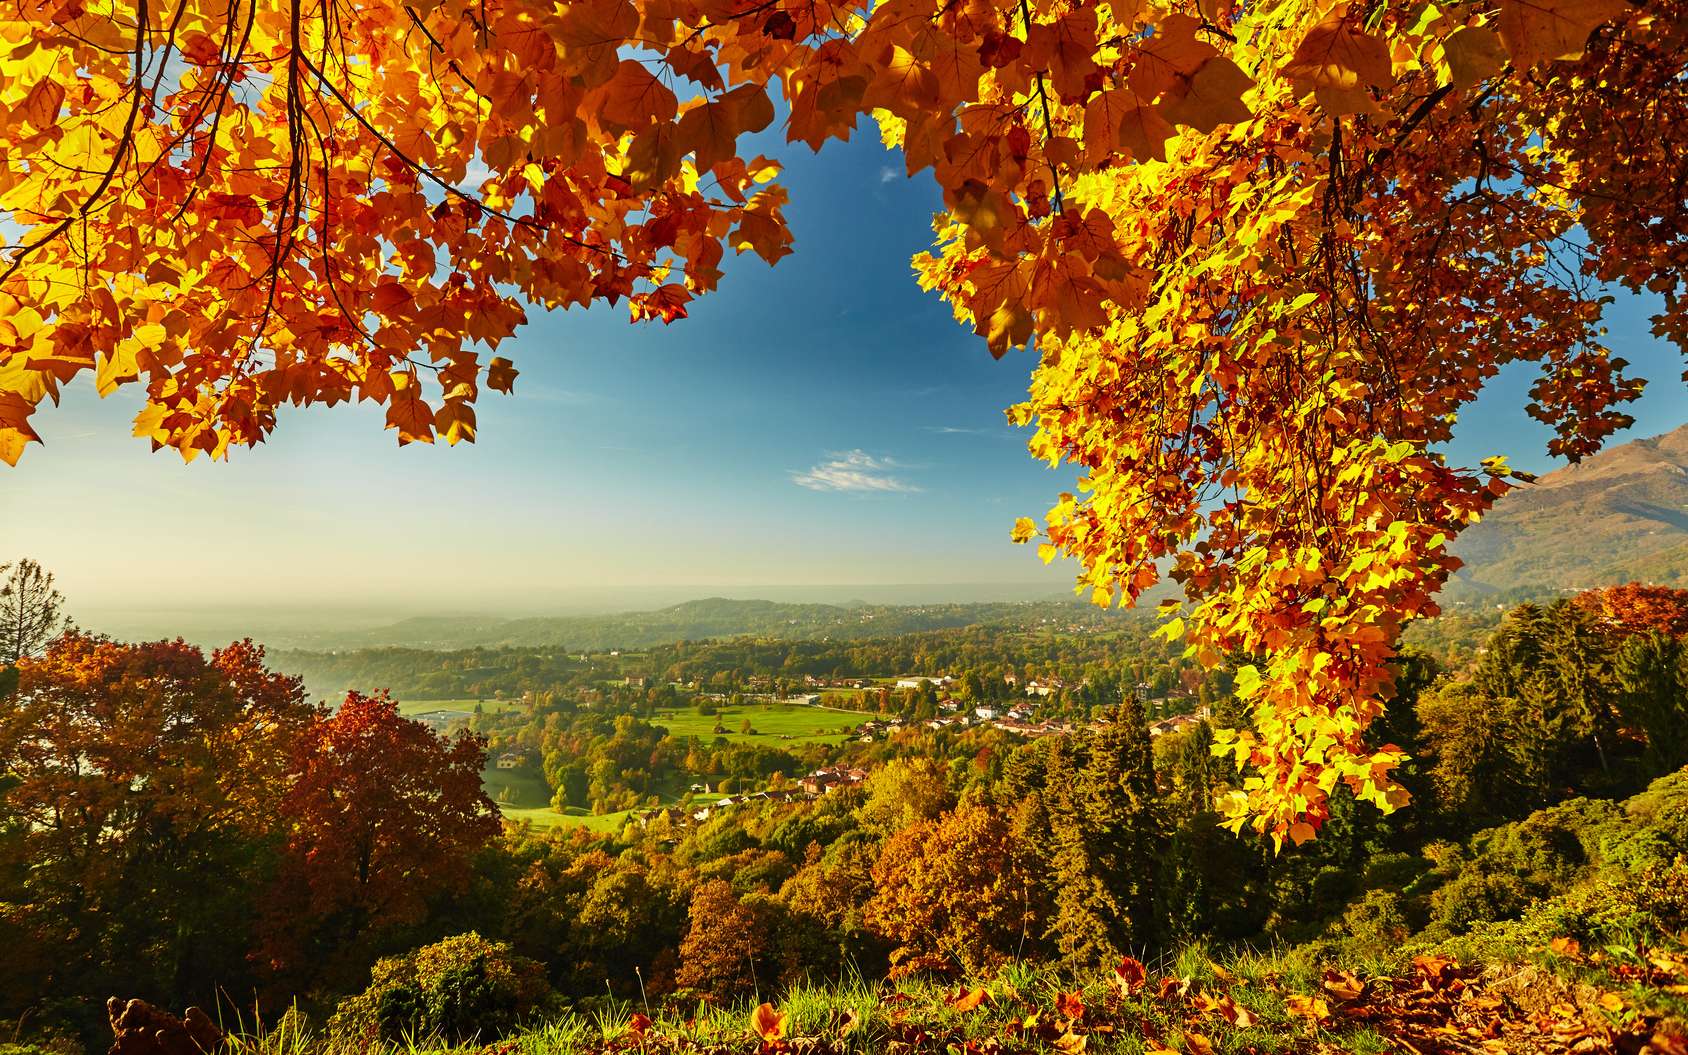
(530, 800)
(775, 723)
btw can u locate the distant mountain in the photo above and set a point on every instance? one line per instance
(1620, 515)
(712, 617)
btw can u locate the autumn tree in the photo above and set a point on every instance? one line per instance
(381, 815)
(30, 610)
(1268, 252)
(956, 892)
(142, 783)
(905, 791)
(725, 939)
(1637, 608)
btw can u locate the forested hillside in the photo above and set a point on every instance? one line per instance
(691, 621)
(1618, 516)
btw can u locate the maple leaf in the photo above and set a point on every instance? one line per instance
(1308, 1007)
(501, 375)
(1070, 1005)
(1474, 54)
(1214, 96)
(1338, 61)
(967, 1000)
(1538, 31)
(1130, 976)
(407, 411)
(1144, 132)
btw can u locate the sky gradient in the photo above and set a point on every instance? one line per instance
(820, 422)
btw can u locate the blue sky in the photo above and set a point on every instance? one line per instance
(820, 422)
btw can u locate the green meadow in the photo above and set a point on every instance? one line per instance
(774, 723)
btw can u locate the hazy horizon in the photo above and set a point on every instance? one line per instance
(212, 622)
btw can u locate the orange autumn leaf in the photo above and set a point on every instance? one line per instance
(767, 1023)
(1309, 1007)
(1069, 1004)
(1539, 31)
(967, 1000)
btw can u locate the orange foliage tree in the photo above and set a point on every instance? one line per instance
(956, 890)
(381, 816)
(1268, 251)
(1636, 608)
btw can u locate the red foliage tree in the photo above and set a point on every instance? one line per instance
(382, 815)
(1636, 608)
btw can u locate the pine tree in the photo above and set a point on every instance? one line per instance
(1652, 676)
(1119, 793)
(1105, 829)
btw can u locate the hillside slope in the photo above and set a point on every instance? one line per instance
(1619, 515)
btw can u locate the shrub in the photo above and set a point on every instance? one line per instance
(1652, 901)
(1378, 922)
(461, 988)
(1478, 895)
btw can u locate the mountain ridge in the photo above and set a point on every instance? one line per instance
(1617, 516)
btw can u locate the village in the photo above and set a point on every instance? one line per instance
(1018, 717)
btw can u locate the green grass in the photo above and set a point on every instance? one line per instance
(530, 801)
(772, 722)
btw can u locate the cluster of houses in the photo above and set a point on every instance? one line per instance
(1018, 719)
(813, 785)
(920, 681)
(1035, 686)
(837, 683)
(1179, 721)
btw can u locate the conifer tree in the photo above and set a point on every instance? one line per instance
(1119, 794)
(1652, 676)
(1104, 830)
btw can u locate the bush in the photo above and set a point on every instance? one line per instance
(1378, 922)
(462, 988)
(1477, 895)
(1652, 901)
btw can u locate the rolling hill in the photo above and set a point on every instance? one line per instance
(713, 617)
(1620, 515)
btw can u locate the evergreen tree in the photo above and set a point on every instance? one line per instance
(1105, 829)
(1118, 790)
(1652, 677)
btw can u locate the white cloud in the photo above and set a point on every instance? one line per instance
(887, 174)
(856, 471)
(954, 430)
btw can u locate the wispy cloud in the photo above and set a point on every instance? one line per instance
(856, 471)
(887, 174)
(954, 430)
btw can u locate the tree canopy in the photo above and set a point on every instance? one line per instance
(1267, 251)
